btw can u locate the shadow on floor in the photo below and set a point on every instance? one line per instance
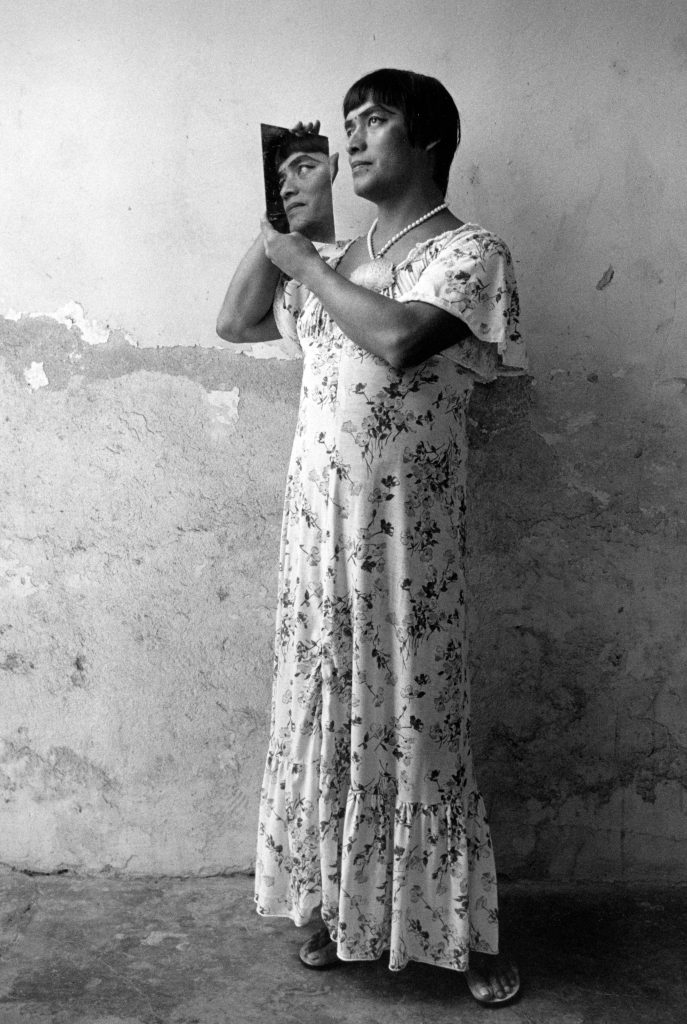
(193, 951)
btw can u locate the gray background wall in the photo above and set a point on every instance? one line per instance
(142, 467)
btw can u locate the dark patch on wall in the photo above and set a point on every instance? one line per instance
(66, 356)
(57, 774)
(605, 279)
(15, 662)
(577, 541)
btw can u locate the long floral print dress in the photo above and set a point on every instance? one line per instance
(369, 804)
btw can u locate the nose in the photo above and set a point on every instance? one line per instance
(288, 186)
(356, 140)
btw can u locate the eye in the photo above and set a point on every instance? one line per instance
(375, 119)
(304, 168)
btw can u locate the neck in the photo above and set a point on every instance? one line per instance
(320, 232)
(395, 213)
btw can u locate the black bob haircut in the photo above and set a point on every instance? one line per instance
(428, 110)
(290, 143)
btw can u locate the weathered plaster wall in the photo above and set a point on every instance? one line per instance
(141, 495)
(141, 499)
(130, 157)
(141, 487)
(579, 568)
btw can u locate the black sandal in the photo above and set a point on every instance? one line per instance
(319, 951)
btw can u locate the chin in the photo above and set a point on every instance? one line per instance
(298, 222)
(363, 189)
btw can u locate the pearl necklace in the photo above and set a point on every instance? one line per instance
(399, 234)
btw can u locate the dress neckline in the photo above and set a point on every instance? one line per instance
(408, 258)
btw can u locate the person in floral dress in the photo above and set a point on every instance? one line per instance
(370, 809)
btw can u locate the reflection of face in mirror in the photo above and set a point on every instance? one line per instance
(305, 189)
(298, 181)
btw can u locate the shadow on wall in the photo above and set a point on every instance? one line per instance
(578, 571)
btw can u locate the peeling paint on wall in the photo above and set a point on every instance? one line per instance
(15, 578)
(226, 403)
(278, 349)
(57, 774)
(72, 315)
(141, 518)
(139, 550)
(35, 376)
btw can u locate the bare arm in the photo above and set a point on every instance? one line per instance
(246, 313)
(402, 333)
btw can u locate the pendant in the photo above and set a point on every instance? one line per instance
(376, 275)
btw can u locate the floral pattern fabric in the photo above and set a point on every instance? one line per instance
(369, 803)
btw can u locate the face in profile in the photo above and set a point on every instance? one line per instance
(305, 187)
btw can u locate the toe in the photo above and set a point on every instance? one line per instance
(492, 979)
(478, 985)
(497, 987)
(513, 978)
(510, 977)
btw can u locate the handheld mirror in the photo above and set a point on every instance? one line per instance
(298, 184)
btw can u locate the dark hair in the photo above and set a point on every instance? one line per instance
(428, 110)
(290, 143)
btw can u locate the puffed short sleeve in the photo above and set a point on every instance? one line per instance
(469, 273)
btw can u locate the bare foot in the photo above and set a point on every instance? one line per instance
(492, 979)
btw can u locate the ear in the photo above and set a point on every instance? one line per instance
(333, 166)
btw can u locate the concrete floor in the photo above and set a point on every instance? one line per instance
(169, 951)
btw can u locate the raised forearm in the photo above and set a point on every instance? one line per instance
(401, 333)
(374, 322)
(246, 313)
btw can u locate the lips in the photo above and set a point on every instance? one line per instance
(356, 164)
(293, 206)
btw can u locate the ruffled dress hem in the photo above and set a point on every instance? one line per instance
(414, 878)
(300, 922)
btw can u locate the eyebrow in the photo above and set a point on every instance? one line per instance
(300, 155)
(368, 110)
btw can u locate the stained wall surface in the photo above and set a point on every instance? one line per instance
(142, 468)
